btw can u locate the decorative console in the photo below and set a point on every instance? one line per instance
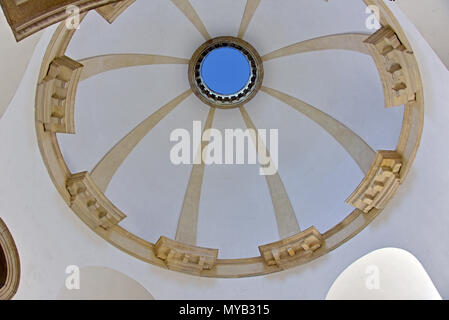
(91, 204)
(380, 184)
(185, 258)
(56, 95)
(394, 64)
(286, 252)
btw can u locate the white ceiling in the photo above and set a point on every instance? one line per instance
(236, 214)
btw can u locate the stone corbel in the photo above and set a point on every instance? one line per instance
(91, 204)
(185, 258)
(287, 252)
(395, 65)
(380, 184)
(56, 95)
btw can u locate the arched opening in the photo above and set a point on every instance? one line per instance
(384, 274)
(3, 270)
(9, 264)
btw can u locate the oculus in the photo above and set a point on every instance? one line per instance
(225, 72)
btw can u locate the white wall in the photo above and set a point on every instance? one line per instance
(50, 237)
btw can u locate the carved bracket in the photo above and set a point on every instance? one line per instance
(380, 184)
(286, 252)
(393, 62)
(91, 204)
(185, 258)
(56, 95)
(111, 11)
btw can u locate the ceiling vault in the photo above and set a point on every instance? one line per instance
(84, 192)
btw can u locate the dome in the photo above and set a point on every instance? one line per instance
(309, 154)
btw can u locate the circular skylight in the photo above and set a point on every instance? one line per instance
(225, 70)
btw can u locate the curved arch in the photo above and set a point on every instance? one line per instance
(9, 264)
(388, 273)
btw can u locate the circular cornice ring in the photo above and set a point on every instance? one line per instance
(92, 206)
(214, 99)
